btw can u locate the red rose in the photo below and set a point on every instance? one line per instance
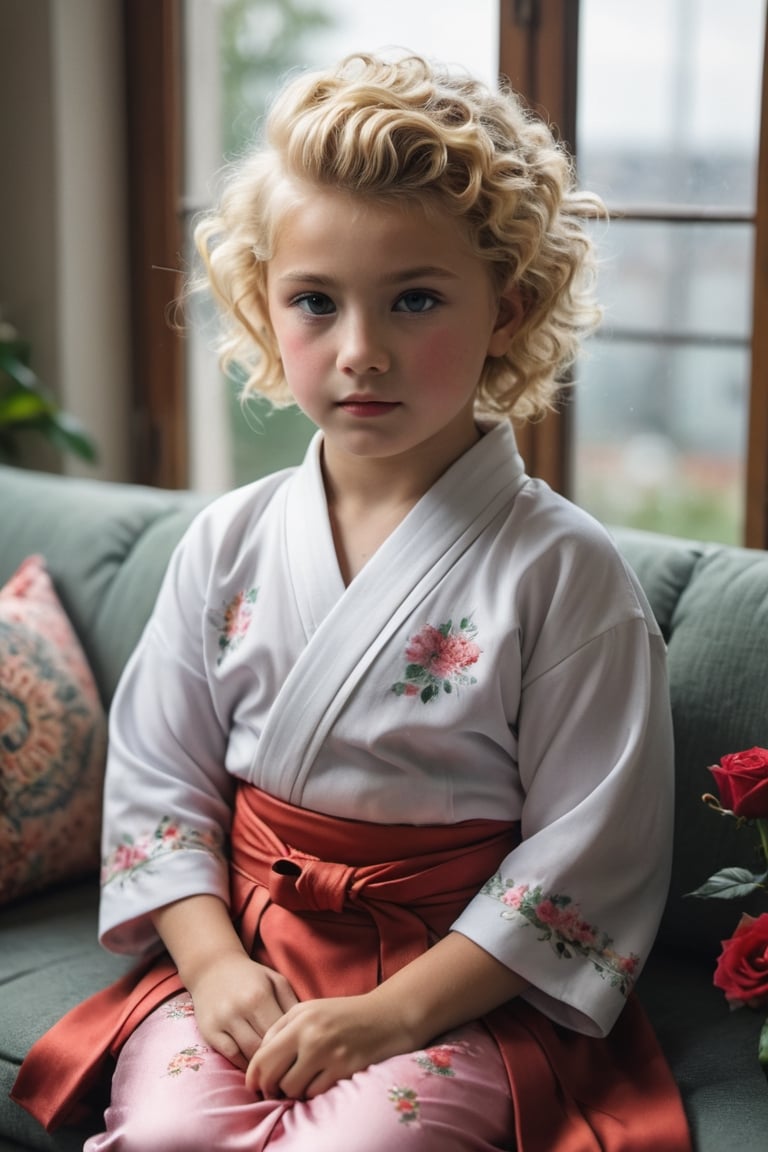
(742, 967)
(742, 781)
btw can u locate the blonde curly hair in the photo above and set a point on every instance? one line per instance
(409, 130)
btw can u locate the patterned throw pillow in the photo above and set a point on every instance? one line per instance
(52, 740)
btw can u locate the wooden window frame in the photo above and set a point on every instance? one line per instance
(538, 48)
(756, 532)
(154, 121)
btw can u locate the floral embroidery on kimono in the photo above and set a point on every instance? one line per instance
(406, 1102)
(234, 621)
(188, 1060)
(438, 659)
(438, 1060)
(131, 855)
(561, 923)
(180, 1008)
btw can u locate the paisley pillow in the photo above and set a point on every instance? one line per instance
(52, 740)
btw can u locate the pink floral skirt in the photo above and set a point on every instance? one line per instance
(172, 1093)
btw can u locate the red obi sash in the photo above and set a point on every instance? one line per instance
(363, 900)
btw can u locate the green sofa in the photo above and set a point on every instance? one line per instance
(107, 546)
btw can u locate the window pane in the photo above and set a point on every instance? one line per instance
(669, 100)
(676, 279)
(660, 433)
(237, 52)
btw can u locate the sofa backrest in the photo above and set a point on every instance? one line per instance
(106, 547)
(711, 602)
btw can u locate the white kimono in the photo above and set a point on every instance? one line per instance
(494, 659)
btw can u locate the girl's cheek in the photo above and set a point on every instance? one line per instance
(302, 364)
(295, 347)
(437, 352)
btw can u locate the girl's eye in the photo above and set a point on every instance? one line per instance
(314, 303)
(416, 301)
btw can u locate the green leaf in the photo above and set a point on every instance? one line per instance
(762, 1047)
(68, 434)
(729, 884)
(27, 406)
(21, 406)
(21, 375)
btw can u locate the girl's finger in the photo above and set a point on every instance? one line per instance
(230, 1049)
(285, 995)
(268, 1069)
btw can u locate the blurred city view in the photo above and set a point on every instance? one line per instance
(667, 133)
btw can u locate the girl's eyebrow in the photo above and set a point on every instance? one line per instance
(423, 271)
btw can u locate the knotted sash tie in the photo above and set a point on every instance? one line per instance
(360, 900)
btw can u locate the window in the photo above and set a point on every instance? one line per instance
(662, 104)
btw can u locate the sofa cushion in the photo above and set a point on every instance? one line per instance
(53, 737)
(106, 547)
(712, 1052)
(49, 962)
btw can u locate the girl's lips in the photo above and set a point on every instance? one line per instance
(368, 407)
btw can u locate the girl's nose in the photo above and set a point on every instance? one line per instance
(362, 349)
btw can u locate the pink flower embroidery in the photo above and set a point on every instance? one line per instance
(513, 897)
(129, 856)
(188, 1060)
(438, 659)
(561, 924)
(437, 1060)
(234, 621)
(406, 1102)
(180, 1008)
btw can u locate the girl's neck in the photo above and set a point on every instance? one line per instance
(399, 481)
(368, 498)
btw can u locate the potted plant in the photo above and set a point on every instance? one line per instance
(27, 406)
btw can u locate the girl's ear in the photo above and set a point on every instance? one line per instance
(511, 313)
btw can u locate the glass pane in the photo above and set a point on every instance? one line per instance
(676, 279)
(669, 100)
(661, 437)
(237, 52)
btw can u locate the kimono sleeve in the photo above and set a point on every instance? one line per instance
(167, 796)
(574, 909)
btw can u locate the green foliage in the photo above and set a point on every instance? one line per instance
(729, 884)
(26, 406)
(259, 41)
(679, 509)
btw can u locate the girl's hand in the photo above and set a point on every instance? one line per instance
(321, 1041)
(317, 1043)
(237, 1001)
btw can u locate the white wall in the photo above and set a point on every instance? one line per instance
(63, 232)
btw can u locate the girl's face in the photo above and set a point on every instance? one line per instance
(384, 318)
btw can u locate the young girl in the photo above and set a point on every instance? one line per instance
(389, 795)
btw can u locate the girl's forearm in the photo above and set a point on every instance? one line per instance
(197, 931)
(454, 982)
